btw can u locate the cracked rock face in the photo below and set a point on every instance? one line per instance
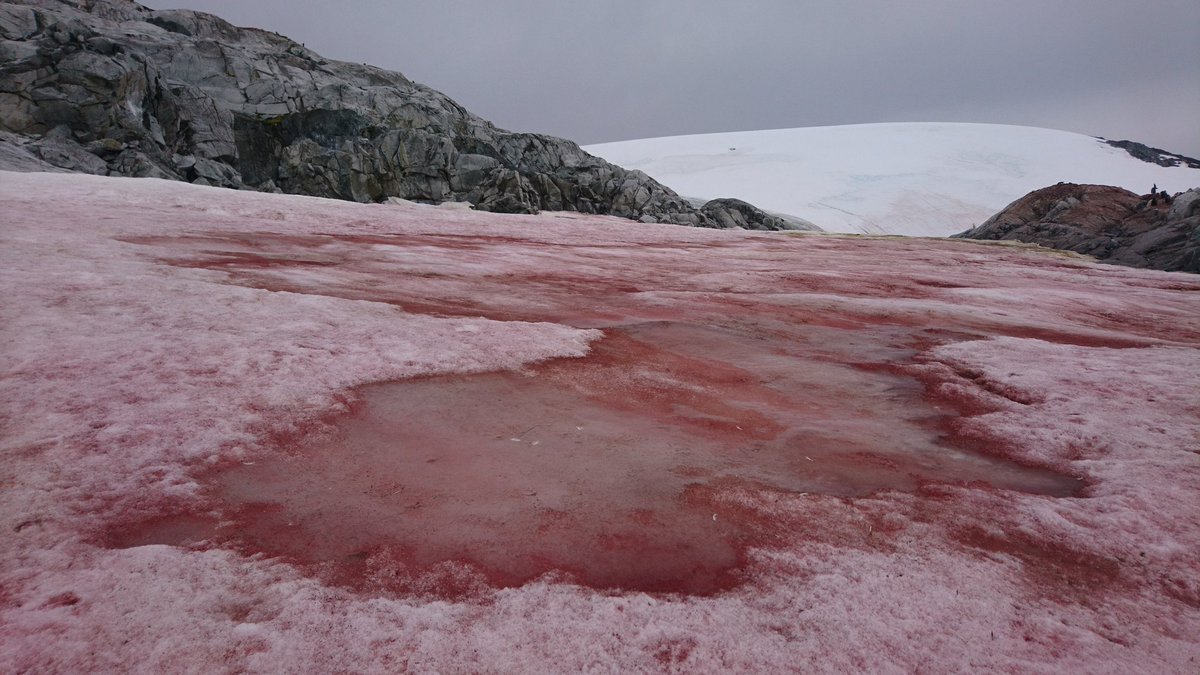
(110, 87)
(1109, 223)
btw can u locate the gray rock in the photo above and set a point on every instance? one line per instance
(1185, 205)
(18, 153)
(737, 213)
(188, 96)
(139, 165)
(66, 154)
(16, 22)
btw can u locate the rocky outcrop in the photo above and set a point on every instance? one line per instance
(1110, 223)
(1154, 155)
(111, 87)
(729, 213)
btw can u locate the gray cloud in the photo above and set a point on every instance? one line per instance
(609, 70)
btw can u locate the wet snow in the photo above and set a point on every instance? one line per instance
(168, 347)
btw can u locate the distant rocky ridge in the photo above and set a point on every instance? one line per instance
(1109, 223)
(110, 87)
(1154, 155)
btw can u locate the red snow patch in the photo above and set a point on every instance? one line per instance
(598, 285)
(1057, 570)
(590, 469)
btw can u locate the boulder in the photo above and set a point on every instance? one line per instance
(729, 212)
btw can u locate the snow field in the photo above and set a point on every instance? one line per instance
(920, 179)
(154, 330)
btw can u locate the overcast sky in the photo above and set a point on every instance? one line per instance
(606, 70)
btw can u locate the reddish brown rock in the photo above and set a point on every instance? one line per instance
(1109, 223)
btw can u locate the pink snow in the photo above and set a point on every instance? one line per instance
(249, 432)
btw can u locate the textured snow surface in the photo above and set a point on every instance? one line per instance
(161, 342)
(912, 179)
